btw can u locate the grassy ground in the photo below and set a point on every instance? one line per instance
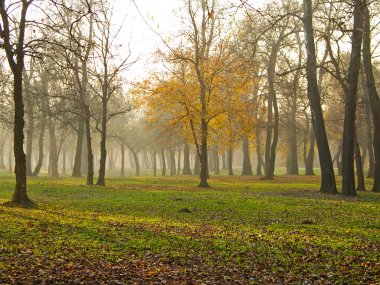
(167, 231)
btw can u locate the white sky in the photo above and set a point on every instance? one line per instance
(160, 15)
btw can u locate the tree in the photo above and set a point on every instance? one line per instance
(13, 42)
(328, 184)
(373, 96)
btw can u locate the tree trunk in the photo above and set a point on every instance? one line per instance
(328, 184)
(137, 163)
(359, 167)
(30, 129)
(258, 152)
(40, 161)
(348, 172)
(230, 158)
(103, 151)
(373, 98)
(215, 153)
(163, 168)
(186, 160)
(20, 195)
(247, 166)
(154, 163)
(64, 161)
(224, 163)
(90, 156)
(77, 168)
(122, 150)
(197, 168)
(309, 162)
(53, 154)
(203, 155)
(172, 162)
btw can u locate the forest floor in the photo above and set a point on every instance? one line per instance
(154, 230)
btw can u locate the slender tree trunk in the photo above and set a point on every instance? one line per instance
(172, 162)
(215, 152)
(328, 184)
(40, 161)
(247, 166)
(122, 150)
(309, 163)
(64, 161)
(103, 151)
(224, 163)
(30, 129)
(154, 163)
(53, 150)
(348, 173)
(203, 155)
(258, 152)
(359, 167)
(78, 152)
(373, 98)
(10, 167)
(163, 169)
(186, 160)
(197, 167)
(230, 158)
(90, 156)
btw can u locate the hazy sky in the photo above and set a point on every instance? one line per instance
(158, 15)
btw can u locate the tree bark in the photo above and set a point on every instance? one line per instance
(230, 159)
(103, 151)
(309, 162)
(359, 167)
(163, 162)
(77, 168)
(328, 184)
(373, 98)
(186, 160)
(122, 150)
(30, 129)
(247, 166)
(40, 161)
(348, 172)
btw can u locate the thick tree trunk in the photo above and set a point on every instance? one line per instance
(247, 166)
(215, 155)
(137, 163)
(77, 168)
(186, 160)
(309, 162)
(20, 195)
(348, 172)
(373, 98)
(328, 184)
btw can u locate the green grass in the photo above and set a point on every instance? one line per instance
(150, 229)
